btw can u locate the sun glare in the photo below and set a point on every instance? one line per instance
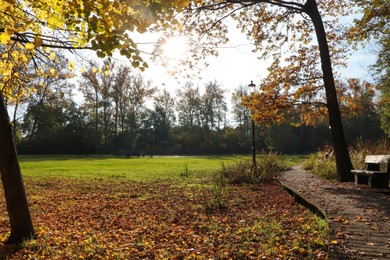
(175, 48)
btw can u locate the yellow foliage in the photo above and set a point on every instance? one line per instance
(71, 65)
(98, 25)
(30, 46)
(4, 38)
(52, 55)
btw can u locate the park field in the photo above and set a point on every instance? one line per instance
(135, 168)
(158, 208)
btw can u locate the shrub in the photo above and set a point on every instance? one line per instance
(267, 166)
(363, 148)
(323, 162)
(215, 191)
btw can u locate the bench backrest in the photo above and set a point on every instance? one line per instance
(377, 159)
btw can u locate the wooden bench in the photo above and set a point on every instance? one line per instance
(377, 172)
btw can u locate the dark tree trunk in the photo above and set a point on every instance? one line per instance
(343, 160)
(11, 177)
(14, 119)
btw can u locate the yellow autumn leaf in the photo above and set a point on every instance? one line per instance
(24, 58)
(71, 65)
(52, 55)
(94, 70)
(106, 72)
(9, 31)
(52, 71)
(30, 46)
(82, 70)
(38, 42)
(4, 38)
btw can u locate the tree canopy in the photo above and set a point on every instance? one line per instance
(374, 25)
(284, 32)
(29, 29)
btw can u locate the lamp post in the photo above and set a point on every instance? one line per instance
(152, 142)
(252, 89)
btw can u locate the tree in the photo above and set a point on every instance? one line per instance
(96, 85)
(274, 27)
(188, 106)
(119, 90)
(357, 101)
(213, 106)
(16, 83)
(374, 25)
(163, 117)
(242, 116)
(36, 27)
(42, 124)
(115, 100)
(165, 102)
(50, 85)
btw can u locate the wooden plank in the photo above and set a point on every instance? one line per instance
(367, 172)
(377, 159)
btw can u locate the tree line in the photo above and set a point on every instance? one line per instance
(121, 113)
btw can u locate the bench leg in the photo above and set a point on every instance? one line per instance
(370, 181)
(356, 179)
(381, 181)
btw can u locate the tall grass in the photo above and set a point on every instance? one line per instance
(215, 193)
(215, 189)
(363, 148)
(267, 166)
(323, 162)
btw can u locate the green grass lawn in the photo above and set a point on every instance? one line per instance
(137, 169)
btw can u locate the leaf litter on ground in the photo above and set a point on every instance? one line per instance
(121, 219)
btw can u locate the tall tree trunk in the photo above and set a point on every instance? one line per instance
(343, 160)
(11, 177)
